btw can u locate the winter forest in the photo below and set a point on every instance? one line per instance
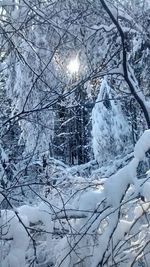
(74, 133)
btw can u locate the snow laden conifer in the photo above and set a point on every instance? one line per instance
(110, 129)
(29, 88)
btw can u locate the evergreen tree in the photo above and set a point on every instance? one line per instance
(110, 130)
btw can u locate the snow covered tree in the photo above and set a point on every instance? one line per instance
(111, 131)
(38, 50)
(60, 59)
(71, 140)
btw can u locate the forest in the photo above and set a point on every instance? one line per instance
(74, 133)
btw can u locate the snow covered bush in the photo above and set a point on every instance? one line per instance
(82, 222)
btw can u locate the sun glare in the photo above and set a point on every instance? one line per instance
(73, 66)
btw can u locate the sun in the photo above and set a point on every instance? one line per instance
(73, 66)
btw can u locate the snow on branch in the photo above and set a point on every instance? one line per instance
(90, 226)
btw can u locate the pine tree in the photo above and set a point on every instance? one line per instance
(110, 130)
